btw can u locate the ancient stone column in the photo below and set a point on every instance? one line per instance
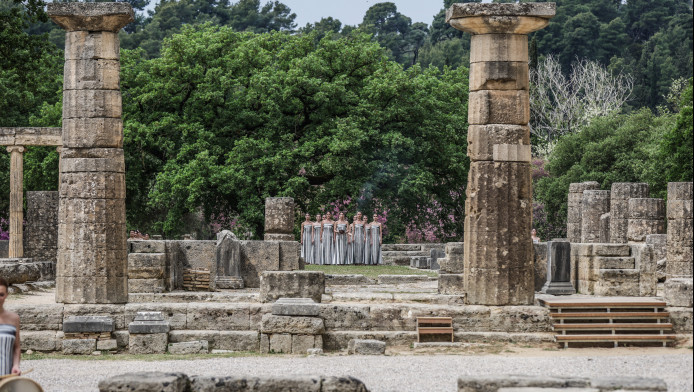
(595, 203)
(16, 201)
(679, 230)
(279, 219)
(646, 216)
(41, 237)
(573, 221)
(619, 208)
(92, 254)
(498, 267)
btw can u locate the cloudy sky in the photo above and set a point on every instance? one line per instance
(351, 12)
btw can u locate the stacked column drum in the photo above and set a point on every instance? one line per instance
(92, 255)
(498, 268)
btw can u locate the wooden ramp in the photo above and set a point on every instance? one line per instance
(610, 320)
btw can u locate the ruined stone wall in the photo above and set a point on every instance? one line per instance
(594, 204)
(279, 219)
(646, 216)
(620, 194)
(575, 203)
(41, 231)
(614, 269)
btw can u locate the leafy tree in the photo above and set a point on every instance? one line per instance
(676, 143)
(223, 120)
(393, 31)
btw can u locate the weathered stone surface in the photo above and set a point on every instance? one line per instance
(174, 313)
(112, 311)
(453, 263)
(44, 341)
(87, 45)
(628, 384)
(680, 191)
(346, 279)
(302, 343)
(19, 271)
(451, 284)
(146, 266)
(91, 16)
(272, 324)
(482, 138)
(574, 208)
(558, 269)
(281, 343)
(497, 382)
(678, 292)
(41, 234)
(640, 228)
(540, 264)
(106, 344)
(148, 327)
(291, 284)
(218, 316)
(420, 262)
(499, 107)
(137, 285)
(256, 258)
(139, 246)
(93, 132)
(498, 47)
(646, 208)
(681, 318)
(366, 347)
(339, 316)
(110, 289)
(103, 263)
(193, 347)
(219, 340)
(401, 279)
(595, 203)
(93, 74)
(611, 250)
(605, 228)
(88, 324)
(466, 10)
(92, 104)
(617, 282)
(290, 252)
(279, 215)
(295, 307)
(228, 254)
(498, 75)
(151, 343)
(145, 381)
(4, 249)
(78, 346)
(93, 185)
(519, 319)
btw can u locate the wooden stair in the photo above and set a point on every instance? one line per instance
(434, 326)
(610, 320)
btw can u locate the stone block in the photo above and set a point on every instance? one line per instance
(617, 282)
(279, 215)
(91, 17)
(366, 347)
(291, 284)
(628, 384)
(92, 74)
(174, 313)
(19, 271)
(91, 290)
(680, 232)
(184, 348)
(139, 246)
(595, 203)
(558, 269)
(44, 341)
(107, 344)
(93, 185)
(73, 324)
(680, 191)
(145, 285)
(149, 343)
(295, 307)
(520, 319)
(419, 262)
(639, 228)
(483, 138)
(93, 132)
(146, 265)
(605, 228)
(611, 250)
(218, 316)
(88, 45)
(302, 343)
(92, 104)
(122, 338)
(511, 286)
(272, 324)
(499, 107)
(678, 292)
(290, 251)
(578, 188)
(346, 279)
(79, 346)
(679, 209)
(78, 213)
(112, 311)
(511, 153)
(451, 284)
(628, 190)
(499, 75)
(615, 263)
(499, 47)
(281, 343)
(145, 381)
(453, 263)
(339, 316)
(148, 323)
(646, 208)
(681, 318)
(401, 279)
(256, 258)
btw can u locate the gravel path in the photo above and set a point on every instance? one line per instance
(391, 373)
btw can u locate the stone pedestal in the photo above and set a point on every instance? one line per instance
(279, 219)
(573, 221)
(595, 203)
(92, 254)
(679, 230)
(16, 249)
(558, 269)
(620, 194)
(498, 249)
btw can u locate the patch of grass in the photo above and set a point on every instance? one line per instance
(106, 356)
(370, 271)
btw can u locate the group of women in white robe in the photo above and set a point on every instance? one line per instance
(339, 242)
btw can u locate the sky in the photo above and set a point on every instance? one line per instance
(351, 12)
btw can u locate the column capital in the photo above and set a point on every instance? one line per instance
(15, 149)
(504, 18)
(91, 16)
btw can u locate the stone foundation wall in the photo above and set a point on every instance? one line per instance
(41, 230)
(402, 254)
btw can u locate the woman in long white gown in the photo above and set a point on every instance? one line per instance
(376, 240)
(341, 240)
(358, 239)
(317, 243)
(367, 241)
(307, 240)
(328, 239)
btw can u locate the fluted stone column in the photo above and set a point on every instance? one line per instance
(646, 216)
(279, 219)
(679, 285)
(573, 221)
(498, 267)
(16, 249)
(92, 255)
(620, 194)
(595, 203)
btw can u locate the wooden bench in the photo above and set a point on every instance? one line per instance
(434, 326)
